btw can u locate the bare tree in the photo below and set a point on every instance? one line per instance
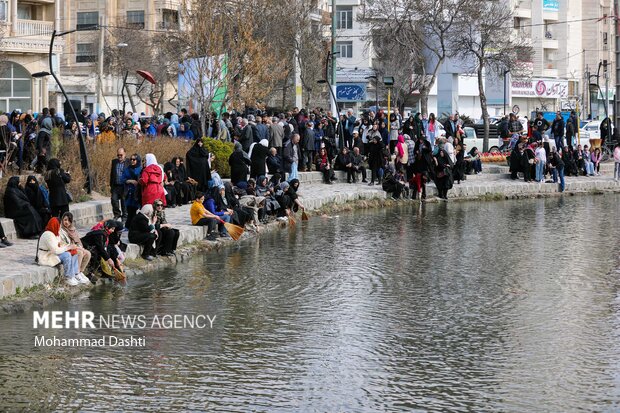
(487, 43)
(422, 30)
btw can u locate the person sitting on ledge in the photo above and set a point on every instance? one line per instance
(69, 235)
(142, 231)
(50, 253)
(4, 242)
(323, 165)
(201, 217)
(225, 215)
(168, 236)
(26, 219)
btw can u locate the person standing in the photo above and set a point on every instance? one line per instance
(308, 146)
(198, 164)
(349, 125)
(152, 182)
(557, 128)
(291, 157)
(56, 178)
(557, 168)
(572, 126)
(541, 162)
(450, 127)
(431, 129)
(276, 135)
(617, 162)
(131, 176)
(117, 187)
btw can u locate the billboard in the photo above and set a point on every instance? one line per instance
(203, 79)
(539, 88)
(351, 92)
(551, 5)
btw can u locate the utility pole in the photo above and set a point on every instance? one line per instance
(333, 85)
(100, 68)
(617, 68)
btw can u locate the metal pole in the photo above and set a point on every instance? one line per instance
(376, 92)
(504, 93)
(83, 154)
(101, 57)
(333, 83)
(389, 108)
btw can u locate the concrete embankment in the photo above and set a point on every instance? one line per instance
(19, 273)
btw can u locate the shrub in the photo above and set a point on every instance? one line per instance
(222, 151)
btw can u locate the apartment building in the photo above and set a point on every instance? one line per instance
(26, 28)
(79, 63)
(570, 38)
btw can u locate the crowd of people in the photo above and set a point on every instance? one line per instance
(403, 155)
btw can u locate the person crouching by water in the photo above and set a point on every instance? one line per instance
(142, 231)
(50, 253)
(168, 237)
(201, 217)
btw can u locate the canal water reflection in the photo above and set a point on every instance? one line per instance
(499, 306)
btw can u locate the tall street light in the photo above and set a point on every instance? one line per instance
(376, 89)
(83, 154)
(331, 92)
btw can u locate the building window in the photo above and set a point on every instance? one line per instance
(135, 18)
(4, 10)
(24, 11)
(85, 53)
(15, 87)
(345, 49)
(87, 20)
(169, 20)
(344, 17)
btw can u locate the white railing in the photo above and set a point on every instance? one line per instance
(34, 27)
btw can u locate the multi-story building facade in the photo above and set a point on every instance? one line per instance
(79, 63)
(26, 28)
(570, 39)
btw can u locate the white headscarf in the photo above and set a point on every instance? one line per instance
(264, 142)
(150, 159)
(148, 211)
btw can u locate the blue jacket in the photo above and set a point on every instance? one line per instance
(130, 190)
(212, 208)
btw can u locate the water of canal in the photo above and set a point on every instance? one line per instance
(499, 306)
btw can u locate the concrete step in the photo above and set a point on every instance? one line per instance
(85, 214)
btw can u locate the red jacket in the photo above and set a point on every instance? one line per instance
(151, 181)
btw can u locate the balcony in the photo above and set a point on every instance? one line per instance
(523, 13)
(33, 28)
(550, 70)
(522, 33)
(549, 42)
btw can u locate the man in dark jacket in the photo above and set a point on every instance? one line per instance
(291, 157)
(247, 136)
(557, 128)
(117, 187)
(572, 126)
(274, 162)
(307, 145)
(450, 127)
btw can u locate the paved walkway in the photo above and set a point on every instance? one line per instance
(18, 270)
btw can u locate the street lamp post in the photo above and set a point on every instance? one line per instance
(376, 89)
(83, 154)
(331, 92)
(388, 81)
(505, 97)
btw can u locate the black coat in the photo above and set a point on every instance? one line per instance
(56, 179)
(197, 160)
(375, 155)
(95, 242)
(17, 207)
(238, 167)
(139, 229)
(259, 154)
(274, 164)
